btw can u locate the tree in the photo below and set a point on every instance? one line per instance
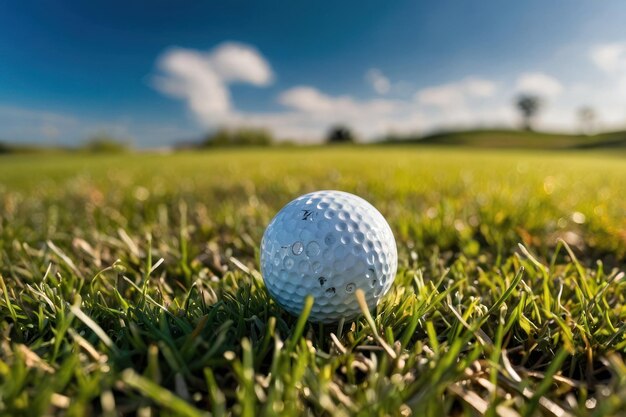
(587, 118)
(239, 137)
(340, 134)
(528, 105)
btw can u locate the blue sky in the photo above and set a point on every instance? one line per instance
(162, 71)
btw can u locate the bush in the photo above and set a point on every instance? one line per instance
(239, 137)
(105, 144)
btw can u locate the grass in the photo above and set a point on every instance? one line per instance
(521, 139)
(129, 285)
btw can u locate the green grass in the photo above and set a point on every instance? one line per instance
(130, 286)
(520, 139)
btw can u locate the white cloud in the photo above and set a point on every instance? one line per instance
(307, 99)
(607, 95)
(476, 87)
(539, 83)
(378, 81)
(443, 96)
(310, 100)
(610, 57)
(310, 112)
(468, 103)
(190, 76)
(456, 94)
(201, 79)
(235, 62)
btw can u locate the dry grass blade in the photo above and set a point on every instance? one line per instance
(33, 360)
(338, 344)
(66, 259)
(93, 326)
(360, 296)
(549, 406)
(478, 403)
(130, 243)
(239, 265)
(88, 347)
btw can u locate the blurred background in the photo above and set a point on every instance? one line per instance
(110, 75)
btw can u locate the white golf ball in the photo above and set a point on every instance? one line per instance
(328, 244)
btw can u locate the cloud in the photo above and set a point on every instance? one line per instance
(610, 57)
(456, 94)
(309, 113)
(442, 96)
(201, 79)
(235, 62)
(467, 103)
(378, 81)
(476, 87)
(190, 76)
(310, 100)
(539, 83)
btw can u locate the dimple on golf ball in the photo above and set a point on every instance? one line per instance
(328, 244)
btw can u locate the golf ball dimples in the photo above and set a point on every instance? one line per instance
(328, 244)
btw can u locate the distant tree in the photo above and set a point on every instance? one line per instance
(528, 105)
(239, 137)
(103, 143)
(587, 118)
(4, 148)
(340, 134)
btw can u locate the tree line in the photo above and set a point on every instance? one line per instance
(528, 105)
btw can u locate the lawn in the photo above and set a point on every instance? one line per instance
(521, 139)
(129, 285)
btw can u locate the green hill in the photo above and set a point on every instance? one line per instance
(519, 139)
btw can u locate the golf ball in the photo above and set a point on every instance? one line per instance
(328, 244)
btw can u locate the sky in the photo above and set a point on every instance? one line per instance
(160, 72)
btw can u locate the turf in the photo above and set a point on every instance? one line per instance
(130, 286)
(520, 139)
